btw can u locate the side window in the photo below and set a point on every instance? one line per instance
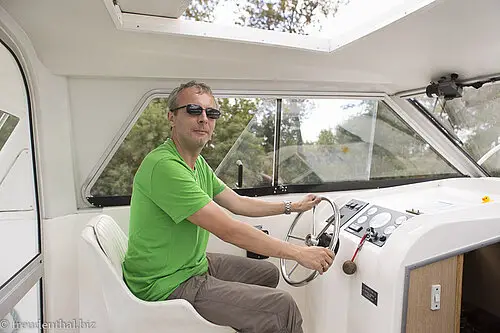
(150, 130)
(246, 127)
(399, 152)
(7, 124)
(332, 140)
(473, 121)
(245, 137)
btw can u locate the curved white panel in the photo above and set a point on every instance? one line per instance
(18, 242)
(12, 90)
(16, 189)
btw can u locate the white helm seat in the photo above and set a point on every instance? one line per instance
(127, 313)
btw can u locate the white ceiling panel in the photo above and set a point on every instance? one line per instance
(446, 36)
(166, 8)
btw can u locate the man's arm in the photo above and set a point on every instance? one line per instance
(212, 218)
(253, 207)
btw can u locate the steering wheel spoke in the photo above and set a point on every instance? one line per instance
(297, 237)
(293, 268)
(324, 239)
(314, 221)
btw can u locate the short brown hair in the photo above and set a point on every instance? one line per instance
(202, 89)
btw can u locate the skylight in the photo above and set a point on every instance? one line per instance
(320, 26)
(313, 18)
(299, 17)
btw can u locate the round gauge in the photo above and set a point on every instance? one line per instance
(389, 230)
(380, 220)
(401, 219)
(362, 219)
(371, 211)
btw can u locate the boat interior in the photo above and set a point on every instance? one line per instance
(390, 111)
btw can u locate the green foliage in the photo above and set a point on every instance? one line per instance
(294, 110)
(236, 114)
(253, 145)
(201, 10)
(257, 164)
(150, 130)
(264, 126)
(326, 137)
(292, 16)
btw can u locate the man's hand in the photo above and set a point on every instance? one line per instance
(308, 202)
(316, 257)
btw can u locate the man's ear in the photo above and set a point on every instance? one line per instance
(170, 116)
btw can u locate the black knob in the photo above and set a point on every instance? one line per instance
(325, 239)
(372, 233)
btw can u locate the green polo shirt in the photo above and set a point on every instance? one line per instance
(165, 249)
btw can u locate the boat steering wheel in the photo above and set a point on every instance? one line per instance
(322, 238)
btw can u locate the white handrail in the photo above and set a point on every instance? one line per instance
(488, 154)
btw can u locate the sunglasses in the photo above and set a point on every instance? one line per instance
(196, 110)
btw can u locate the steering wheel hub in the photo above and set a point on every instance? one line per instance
(311, 240)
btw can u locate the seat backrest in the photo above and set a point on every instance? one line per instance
(125, 312)
(111, 239)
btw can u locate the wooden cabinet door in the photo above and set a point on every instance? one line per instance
(420, 318)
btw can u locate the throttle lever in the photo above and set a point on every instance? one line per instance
(349, 267)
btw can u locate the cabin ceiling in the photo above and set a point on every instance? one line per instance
(170, 8)
(79, 38)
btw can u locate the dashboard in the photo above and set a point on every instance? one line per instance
(376, 221)
(378, 214)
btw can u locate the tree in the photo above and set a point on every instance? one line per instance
(236, 114)
(326, 137)
(250, 144)
(150, 130)
(201, 10)
(286, 15)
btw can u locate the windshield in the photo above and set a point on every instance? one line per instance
(473, 120)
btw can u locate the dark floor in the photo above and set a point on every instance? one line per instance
(476, 320)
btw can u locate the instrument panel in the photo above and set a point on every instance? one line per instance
(379, 222)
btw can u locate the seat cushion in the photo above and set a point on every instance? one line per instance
(112, 240)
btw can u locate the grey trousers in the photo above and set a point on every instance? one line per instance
(240, 293)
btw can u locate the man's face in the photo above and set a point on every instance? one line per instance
(194, 131)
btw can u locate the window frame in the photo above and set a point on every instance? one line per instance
(275, 188)
(32, 273)
(114, 146)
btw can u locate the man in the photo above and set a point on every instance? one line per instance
(176, 202)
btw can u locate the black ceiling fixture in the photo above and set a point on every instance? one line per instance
(449, 88)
